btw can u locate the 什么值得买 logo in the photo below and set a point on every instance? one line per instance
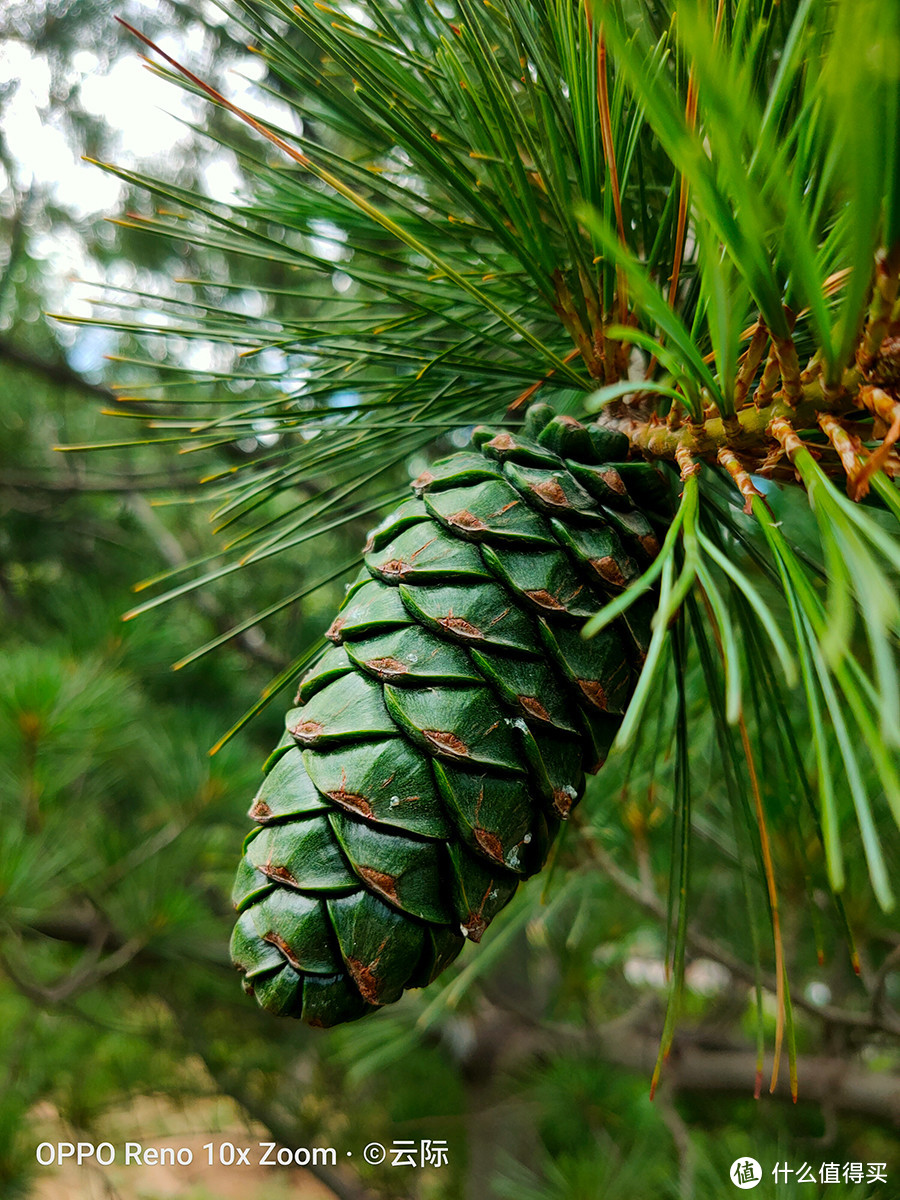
(745, 1173)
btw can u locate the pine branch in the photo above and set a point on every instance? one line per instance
(251, 642)
(828, 1081)
(502, 1038)
(56, 371)
(877, 1020)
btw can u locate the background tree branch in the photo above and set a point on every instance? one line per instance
(55, 371)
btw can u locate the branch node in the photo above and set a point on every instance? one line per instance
(688, 466)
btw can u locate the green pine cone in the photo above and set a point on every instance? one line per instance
(441, 739)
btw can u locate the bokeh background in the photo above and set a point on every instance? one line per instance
(120, 1018)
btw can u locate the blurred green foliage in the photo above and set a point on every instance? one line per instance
(118, 837)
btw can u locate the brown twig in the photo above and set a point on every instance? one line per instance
(884, 296)
(749, 363)
(564, 308)
(744, 483)
(686, 464)
(252, 642)
(879, 984)
(524, 398)
(781, 429)
(867, 1022)
(768, 383)
(850, 451)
